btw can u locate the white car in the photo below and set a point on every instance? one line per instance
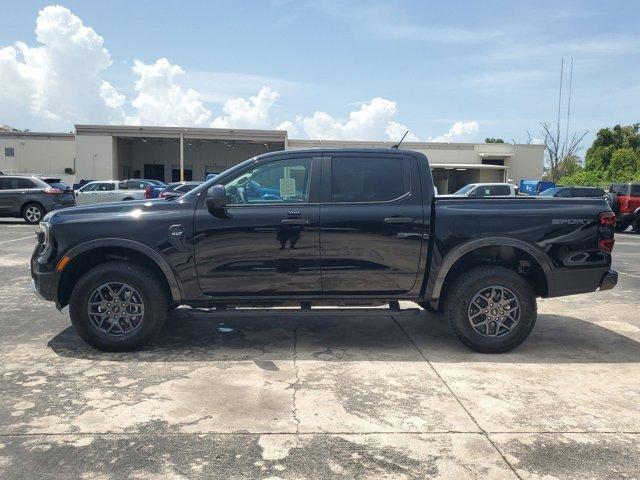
(478, 190)
(103, 191)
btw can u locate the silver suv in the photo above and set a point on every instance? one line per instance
(31, 197)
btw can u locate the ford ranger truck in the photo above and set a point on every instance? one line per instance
(311, 227)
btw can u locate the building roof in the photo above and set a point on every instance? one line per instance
(188, 132)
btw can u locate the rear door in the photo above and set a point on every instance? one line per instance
(9, 194)
(372, 223)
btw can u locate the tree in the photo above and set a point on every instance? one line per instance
(558, 150)
(493, 140)
(614, 156)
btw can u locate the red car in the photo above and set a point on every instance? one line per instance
(624, 200)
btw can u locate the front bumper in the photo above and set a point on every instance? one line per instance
(609, 280)
(44, 284)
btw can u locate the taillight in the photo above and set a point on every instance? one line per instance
(606, 224)
(148, 192)
(52, 190)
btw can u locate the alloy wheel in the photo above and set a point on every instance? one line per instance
(494, 311)
(116, 308)
(33, 213)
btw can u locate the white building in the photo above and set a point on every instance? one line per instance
(103, 152)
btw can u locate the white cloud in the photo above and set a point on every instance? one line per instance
(396, 130)
(59, 81)
(460, 131)
(372, 121)
(251, 113)
(161, 101)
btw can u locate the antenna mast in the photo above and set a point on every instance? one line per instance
(397, 145)
(566, 141)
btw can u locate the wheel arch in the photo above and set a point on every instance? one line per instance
(518, 255)
(85, 256)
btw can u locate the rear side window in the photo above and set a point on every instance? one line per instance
(137, 185)
(15, 183)
(24, 183)
(620, 189)
(502, 190)
(565, 192)
(369, 179)
(588, 192)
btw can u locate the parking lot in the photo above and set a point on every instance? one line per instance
(328, 397)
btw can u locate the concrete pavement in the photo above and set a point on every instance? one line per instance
(285, 397)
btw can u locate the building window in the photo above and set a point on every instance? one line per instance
(9, 152)
(492, 161)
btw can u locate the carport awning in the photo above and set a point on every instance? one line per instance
(479, 166)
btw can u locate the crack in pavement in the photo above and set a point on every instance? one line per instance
(484, 432)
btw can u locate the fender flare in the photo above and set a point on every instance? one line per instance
(457, 253)
(158, 259)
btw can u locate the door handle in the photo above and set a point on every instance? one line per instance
(295, 221)
(398, 220)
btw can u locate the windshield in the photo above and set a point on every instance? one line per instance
(464, 190)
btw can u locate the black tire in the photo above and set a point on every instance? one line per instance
(458, 305)
(154, 299)
(33, 212)
(613, 201)
(636, 224)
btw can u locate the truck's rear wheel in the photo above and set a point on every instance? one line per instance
(491, 309)
(118, 306)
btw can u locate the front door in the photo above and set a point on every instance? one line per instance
(372, 224)
(266, 242)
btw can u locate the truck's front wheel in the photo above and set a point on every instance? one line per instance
(118, 306)
(491, 309)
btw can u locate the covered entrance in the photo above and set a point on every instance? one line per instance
(176, 154)
(450, 178)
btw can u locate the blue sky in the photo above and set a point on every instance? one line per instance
(495, 63)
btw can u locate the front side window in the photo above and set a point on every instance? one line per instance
(281, 181)
(105, 187)
(635, 190)
(369, 179)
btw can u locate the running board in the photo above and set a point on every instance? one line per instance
(307, 310)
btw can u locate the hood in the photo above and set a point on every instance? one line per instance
(115, 210)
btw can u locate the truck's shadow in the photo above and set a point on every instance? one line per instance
(194, 336)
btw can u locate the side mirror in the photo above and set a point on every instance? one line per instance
(216, 199)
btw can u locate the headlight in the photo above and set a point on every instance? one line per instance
(45, 242)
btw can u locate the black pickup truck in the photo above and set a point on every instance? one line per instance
(339, 227)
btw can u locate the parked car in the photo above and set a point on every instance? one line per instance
(574, 192)
(110, 191)
(152, 188)
(81, 183)
(624, 199)
(120, 267)
(487, 190)
(31, 198)
(534, 187)
(177, 189)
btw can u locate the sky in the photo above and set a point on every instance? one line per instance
(445, 71)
